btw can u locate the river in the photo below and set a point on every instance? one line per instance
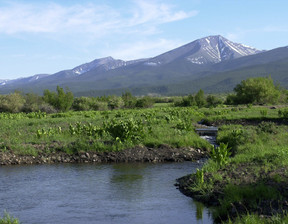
(102, 193)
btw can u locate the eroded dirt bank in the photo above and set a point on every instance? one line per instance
(137, 154)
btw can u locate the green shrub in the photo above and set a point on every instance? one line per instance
(130, 130)
(12, 103)
(144, 102)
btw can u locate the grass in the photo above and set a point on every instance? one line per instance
(100, 131)
(256, 219)
(254, 179)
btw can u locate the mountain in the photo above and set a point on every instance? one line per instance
(208, 50)
(209, 63)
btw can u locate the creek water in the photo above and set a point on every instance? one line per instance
(102, 193)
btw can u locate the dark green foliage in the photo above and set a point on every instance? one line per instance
(213, 101)
(186, 101)
(129, 100)
(200, 98)
(144, 102)
(60, 100)
(257, 91)
(235, 137)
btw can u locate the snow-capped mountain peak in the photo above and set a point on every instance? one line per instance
(215, 49)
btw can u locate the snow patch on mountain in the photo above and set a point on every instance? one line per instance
(215, 49)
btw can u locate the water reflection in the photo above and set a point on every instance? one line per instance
(110, 193)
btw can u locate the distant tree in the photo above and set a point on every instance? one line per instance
(60, 100)
(186, 101)
(128, 99)
(200, 98)
(213, 101)
(257, 91)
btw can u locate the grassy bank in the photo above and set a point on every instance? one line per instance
(114, 130)
(245, 180)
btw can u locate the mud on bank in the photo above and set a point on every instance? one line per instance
(137, 154)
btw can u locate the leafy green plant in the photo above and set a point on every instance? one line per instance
(220, 154)
(7, 219)
(199, 176)
(128, 130)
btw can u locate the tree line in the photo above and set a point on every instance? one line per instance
(259, 90)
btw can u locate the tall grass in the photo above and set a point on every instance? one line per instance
(8, 219)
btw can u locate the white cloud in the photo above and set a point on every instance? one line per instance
(157, 13)
(90, 18)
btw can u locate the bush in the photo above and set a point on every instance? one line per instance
(12, 103)
(186, 101)
(257, 91)
(122, 131)
(32, 103)
(82, 104)
(213, 101)
(145, 102)
(115, 102)
(100, 106)
(129, 100)
(47, 108)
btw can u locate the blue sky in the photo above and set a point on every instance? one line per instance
(48, 36)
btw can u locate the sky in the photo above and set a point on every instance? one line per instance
(44, 37)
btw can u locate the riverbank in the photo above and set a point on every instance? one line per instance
(164, 153)
(253, 181)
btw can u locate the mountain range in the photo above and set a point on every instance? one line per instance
(214, 64)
